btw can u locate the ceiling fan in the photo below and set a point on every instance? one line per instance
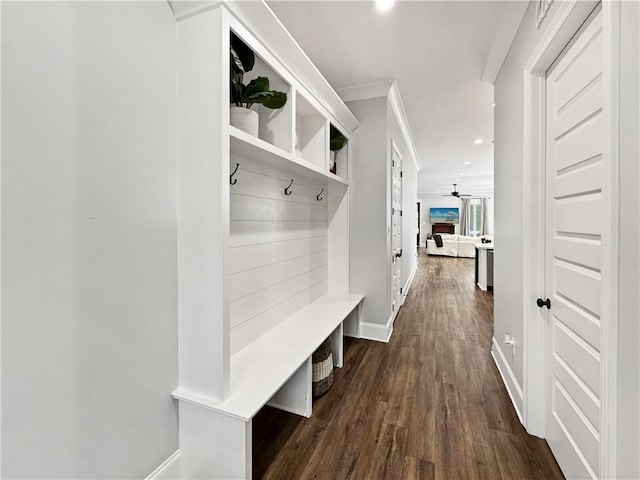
(455, 192)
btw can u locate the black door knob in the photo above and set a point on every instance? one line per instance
(541, 303)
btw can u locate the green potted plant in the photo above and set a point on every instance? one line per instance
(336, 142)
(255, 92)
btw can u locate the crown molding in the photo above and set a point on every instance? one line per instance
(401, 116)
(390, 90)
(513, 13)
(365, 92)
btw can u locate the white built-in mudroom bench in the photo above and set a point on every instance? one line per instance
(275, 369)
(263, 241)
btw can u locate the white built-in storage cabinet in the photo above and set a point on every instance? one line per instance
(263, 249)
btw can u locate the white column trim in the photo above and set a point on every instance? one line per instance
(611, 31)
(0, 230)
(534, 251)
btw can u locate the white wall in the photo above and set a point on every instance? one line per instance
(369, 268)
(89, 276)
(370, 207)
(490, 214)
(508, 147)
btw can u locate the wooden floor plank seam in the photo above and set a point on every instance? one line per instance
(429, 404)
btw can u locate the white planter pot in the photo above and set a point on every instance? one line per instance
(332, 161)
(245, 119)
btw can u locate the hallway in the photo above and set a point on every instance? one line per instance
(430, 404)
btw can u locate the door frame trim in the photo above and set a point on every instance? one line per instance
(568, 19)
(393, 148)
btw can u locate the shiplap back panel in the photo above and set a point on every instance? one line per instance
(278, 248)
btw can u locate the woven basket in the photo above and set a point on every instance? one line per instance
(322, 369)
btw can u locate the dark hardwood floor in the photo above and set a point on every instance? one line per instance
(429, 404)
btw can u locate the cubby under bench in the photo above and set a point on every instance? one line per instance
(274, 369)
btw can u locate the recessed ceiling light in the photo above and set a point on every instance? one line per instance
(384, 5)
(478, 141)
(461, 174)
(467, 163)
(493, 104)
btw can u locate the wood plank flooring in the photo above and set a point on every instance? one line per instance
(430, 404)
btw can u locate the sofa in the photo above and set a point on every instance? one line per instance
(456, 245)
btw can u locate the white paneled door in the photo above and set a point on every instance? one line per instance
(396, 230)
(574, 215)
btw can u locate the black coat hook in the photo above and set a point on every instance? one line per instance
(318, 197)
(287, 190)
(232, 180)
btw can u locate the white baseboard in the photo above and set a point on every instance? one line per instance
(169, 470)
(376, 331)
(509, 379)
(407, 286)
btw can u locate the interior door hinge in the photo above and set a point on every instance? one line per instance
(400, 174)
(393, 211)
(393, 308)
(400, 212)
(400, 289)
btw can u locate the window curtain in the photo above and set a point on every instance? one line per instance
(464, 217)
(483, 212)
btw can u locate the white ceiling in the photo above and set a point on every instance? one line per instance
(436, 51)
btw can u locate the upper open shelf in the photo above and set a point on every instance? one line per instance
(295, 136)
(275, 124)
(245, 145)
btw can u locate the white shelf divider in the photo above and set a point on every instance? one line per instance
(310, 132)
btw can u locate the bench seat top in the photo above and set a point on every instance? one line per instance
(262, 367)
